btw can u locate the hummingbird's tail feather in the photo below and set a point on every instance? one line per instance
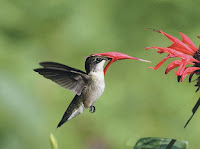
(75, 108)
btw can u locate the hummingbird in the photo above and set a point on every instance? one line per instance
(88, 86)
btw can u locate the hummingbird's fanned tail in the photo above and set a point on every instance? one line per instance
(75, 108)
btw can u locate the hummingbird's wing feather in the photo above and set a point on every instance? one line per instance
(75, 108)
(59, 66)
(67, 77)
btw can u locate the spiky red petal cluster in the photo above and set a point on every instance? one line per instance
(184, 50)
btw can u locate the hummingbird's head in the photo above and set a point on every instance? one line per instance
(95, 63)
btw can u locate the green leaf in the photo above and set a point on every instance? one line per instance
(159, 143)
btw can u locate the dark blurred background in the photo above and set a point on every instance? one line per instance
(137, 102)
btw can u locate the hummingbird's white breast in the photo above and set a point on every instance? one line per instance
(96, 86)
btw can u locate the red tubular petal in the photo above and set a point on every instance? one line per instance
(159, 51)
(187, 41)
(106, 68)
(160, 63)
(173, 46)
(191, 59)
(181, 69)
(117, 56)
(174, 53)
(177, 43)
(172, 65)
(164, 50)
(184, 56)
(147, 48)
(187, 71)
(175, 64)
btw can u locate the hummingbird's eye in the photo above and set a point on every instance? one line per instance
(98, 59)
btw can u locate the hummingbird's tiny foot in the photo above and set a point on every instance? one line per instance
(92, 109)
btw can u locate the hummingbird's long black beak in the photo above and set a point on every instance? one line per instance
(108, 58)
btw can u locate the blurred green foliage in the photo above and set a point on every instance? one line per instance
(137, 101)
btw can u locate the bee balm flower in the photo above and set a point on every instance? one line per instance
(188, 54)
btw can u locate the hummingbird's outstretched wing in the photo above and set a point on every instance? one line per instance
(75, 108)
(67, 77)
(58, 65)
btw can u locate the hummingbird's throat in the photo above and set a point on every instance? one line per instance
(98, 67)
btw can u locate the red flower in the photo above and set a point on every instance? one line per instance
(115, 56)
(188, 53)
